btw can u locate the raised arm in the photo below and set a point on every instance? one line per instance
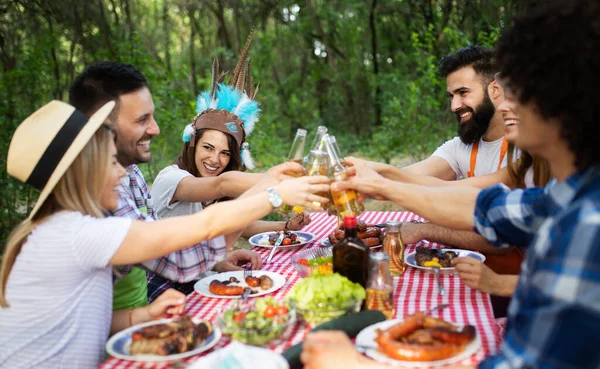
(146, 241)
(407, 175)
(228, 184)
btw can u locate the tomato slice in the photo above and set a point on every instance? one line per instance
(286, 242)
(282, 310)
(239, 317)
(270, 311)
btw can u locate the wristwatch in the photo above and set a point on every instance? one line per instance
(274, 198)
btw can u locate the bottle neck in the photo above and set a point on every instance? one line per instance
(351, 232)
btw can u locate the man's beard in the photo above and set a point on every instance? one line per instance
(472, 130)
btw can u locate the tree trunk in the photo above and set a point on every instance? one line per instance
(375, 63)
(222, 31)
(165, 24)
(193, 52)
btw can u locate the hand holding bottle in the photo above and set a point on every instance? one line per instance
(361, 178)
(303, 191)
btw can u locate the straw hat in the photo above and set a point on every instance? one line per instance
(46, 143)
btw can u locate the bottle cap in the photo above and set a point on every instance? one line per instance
(301, 132)
(350, 221)
(379, 256)
(393, 225)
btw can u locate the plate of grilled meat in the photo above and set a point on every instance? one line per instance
(232, 285)
(426, 258)
(163, 340)
(291, 239)
(418, 340)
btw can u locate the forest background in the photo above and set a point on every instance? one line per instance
(366, 69)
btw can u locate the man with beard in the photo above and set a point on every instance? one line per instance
(133, 121)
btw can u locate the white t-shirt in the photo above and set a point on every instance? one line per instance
(163, 189)
(458, 156)
(60, 293)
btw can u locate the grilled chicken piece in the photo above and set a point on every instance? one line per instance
(171, 338)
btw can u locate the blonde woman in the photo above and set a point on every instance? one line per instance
(56, 281)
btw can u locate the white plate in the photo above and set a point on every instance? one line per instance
(118, 344)
(409, 259)
(262, 240)
(236, 353)
(325, 242)
(202, 285)
(366, 337)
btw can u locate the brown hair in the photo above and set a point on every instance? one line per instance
(79, 189)
(187, 162)
(518, 169)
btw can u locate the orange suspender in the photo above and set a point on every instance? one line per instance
(474, 151)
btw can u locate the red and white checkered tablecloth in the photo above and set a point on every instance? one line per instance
(414, 291)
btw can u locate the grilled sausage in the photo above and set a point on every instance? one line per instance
(371, 241)
(369, 232)
(218, 288)
(449, 341)
(252, 281)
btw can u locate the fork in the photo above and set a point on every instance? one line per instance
(247, 291)
(247, 273)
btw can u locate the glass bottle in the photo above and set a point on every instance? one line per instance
(316, 146)
(351, 255)
(346, 201)
(361, 206)
(296, 155)
(380, 288)
(393, 246)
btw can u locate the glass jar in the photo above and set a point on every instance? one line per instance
(393, 246)
(380, 288)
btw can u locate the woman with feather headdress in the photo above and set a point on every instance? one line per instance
(215, 155)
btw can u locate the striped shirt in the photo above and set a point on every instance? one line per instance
(60, 293)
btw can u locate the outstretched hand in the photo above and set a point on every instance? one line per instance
(333, 349)
(361, 178)
(170, 302)
(304, 191)
(236, 258)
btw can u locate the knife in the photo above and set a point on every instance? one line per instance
(275, 246)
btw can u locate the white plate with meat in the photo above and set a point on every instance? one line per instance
(292, 239)
(231, 285)
(443, 256)
(366, 343)
(164, 340)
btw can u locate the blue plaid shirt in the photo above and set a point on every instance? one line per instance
(554, 316)
(135, 201)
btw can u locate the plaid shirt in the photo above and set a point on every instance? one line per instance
(554, 316)
(187, 265)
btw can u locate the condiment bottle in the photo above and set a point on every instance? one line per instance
(393, 246)
(351, 255)
(380, 288)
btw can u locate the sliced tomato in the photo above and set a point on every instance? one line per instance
(239, 317)
(286, 241)
(270, 311)
(282, 310)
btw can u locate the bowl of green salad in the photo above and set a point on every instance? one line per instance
(258, 321)
(324, 297)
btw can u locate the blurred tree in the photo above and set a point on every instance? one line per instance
(366, 69)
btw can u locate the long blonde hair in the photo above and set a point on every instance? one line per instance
(80, 189)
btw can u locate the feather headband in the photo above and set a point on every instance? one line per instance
(230, 108)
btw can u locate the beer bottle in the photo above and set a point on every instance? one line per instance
(346, 201)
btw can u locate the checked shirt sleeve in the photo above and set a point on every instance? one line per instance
(189, 264)
(504, 217)
(554, 318)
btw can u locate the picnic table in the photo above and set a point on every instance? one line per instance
(414, 291)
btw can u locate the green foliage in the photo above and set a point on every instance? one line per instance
(315, 60)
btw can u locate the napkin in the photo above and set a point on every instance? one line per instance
(350, 324)
(239, 356)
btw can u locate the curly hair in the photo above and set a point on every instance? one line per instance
(479, 58)
(551, 57)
